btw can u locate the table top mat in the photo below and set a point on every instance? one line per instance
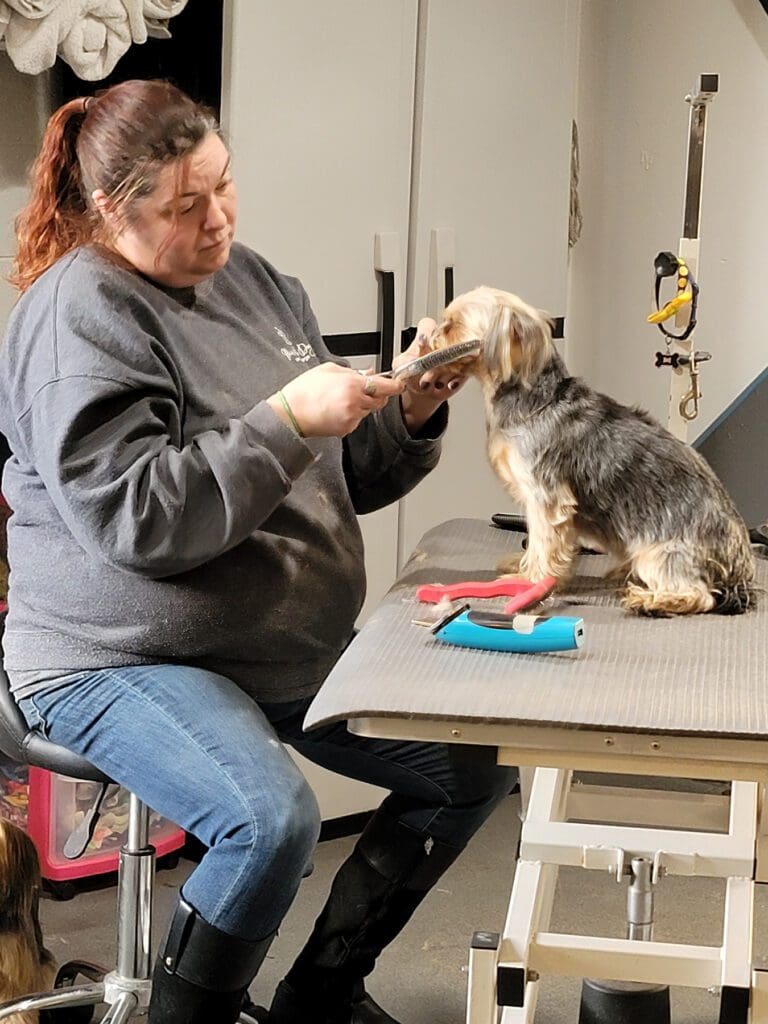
(694, 674)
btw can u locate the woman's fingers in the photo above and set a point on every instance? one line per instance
(425, 328)
(437, 383)
(376, 386)
(420, 344)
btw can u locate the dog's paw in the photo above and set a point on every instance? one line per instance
(616, 574)
(510, 566)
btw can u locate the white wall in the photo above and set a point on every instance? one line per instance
(637, 62)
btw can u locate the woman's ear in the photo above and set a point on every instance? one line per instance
(111, 219)
(102, 203)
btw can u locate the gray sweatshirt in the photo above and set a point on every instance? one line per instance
(162, 511)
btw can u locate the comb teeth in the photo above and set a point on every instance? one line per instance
(446, 355)
(439, 357)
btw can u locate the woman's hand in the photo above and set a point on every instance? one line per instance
(331, 400)
(423, 395)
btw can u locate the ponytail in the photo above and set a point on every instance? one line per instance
(56, 218)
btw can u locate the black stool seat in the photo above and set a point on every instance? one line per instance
(28, 746)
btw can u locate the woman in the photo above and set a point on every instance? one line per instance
(188, 461)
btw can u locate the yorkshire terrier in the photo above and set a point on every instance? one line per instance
(26, 966)
(591, 472)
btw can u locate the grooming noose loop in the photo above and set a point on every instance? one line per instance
(684, 305)
(667, 264)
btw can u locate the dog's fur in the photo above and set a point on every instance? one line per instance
(590, 471)
(26, 966)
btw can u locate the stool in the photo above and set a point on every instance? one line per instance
(126, 989)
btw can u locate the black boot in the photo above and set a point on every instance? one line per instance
(373, 895)
(202, 973)
(286, 1006)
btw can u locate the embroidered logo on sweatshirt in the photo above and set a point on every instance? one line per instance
(295, 353)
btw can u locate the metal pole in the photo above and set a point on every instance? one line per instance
(640, 901)
(629, 1002)
(134, 906)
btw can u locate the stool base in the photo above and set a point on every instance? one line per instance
(617, 1002)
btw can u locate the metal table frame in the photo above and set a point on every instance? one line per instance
(705, 835)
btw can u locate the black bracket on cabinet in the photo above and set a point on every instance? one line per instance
(379, 343)
(387, 317)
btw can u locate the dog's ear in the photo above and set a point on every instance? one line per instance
(518, 343)
(548, 319)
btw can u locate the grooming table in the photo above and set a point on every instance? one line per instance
(676, 698)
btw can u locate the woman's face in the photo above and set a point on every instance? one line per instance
(182, 233)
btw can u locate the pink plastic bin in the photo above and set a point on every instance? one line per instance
(57, 803)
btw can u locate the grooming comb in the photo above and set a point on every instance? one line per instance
(441, 356)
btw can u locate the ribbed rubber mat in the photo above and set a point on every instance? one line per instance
(699, 673)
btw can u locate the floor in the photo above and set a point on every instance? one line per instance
(422, 978)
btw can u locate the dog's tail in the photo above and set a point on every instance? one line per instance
(733, 598)
(678, 578)
(733, 588)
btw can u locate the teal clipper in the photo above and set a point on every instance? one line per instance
(520, 634)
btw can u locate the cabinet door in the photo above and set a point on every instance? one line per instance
(491, 175)
(317, 104)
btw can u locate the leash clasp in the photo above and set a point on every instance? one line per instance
(689, 403)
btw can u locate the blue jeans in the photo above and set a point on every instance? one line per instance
(198, 750)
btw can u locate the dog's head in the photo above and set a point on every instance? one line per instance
(517, 339)
(19, 877)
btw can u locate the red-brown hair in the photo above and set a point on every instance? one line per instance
(116, 141)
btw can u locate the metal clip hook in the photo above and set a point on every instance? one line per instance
(689, 403)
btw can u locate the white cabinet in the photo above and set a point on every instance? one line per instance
(317, 102)
(443, 127)
(491, 180)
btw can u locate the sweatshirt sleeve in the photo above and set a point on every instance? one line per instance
(382, 461)
(108, 445)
